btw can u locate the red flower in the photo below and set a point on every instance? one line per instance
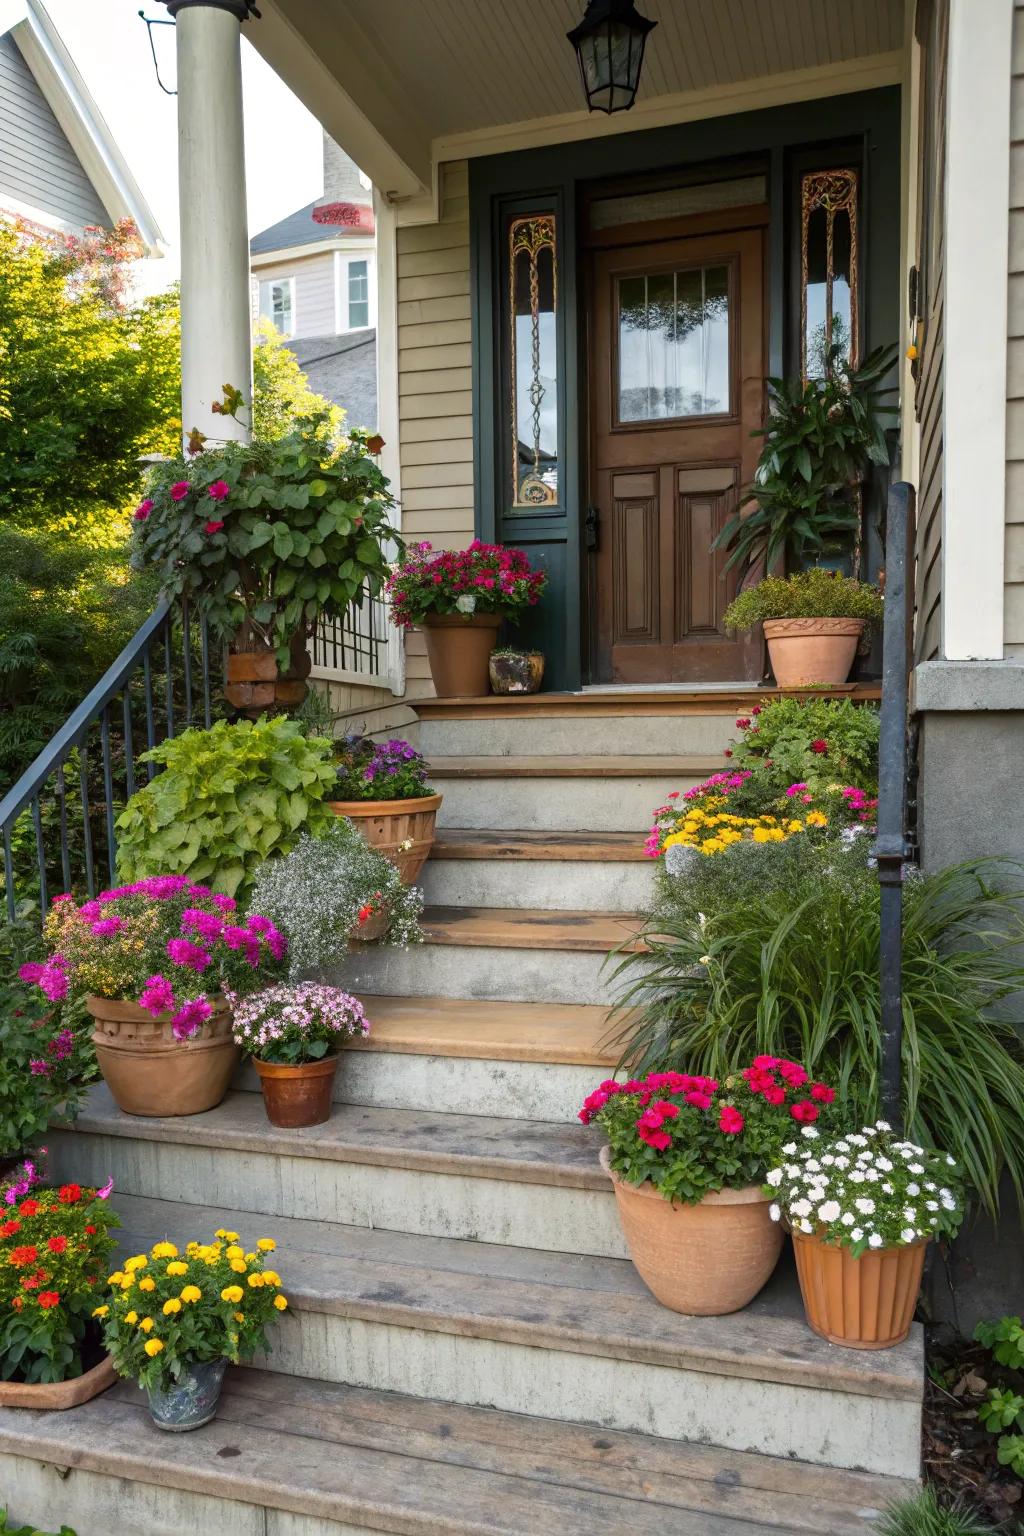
(219, 490)
(364, 913)
(9, 1228)
(69, 1193)
(57, 1244)
(730, 1121)
(823, 1093)
(28, 1208)
(49, 1299)
(744, 724)
(775, 1094)
(804, 1111)
(91, 1231)
(756, 710)
(213, 526)
(17, 1303)
(727, 753)
(179, 490)
(673, 794)
(660, 1140)
(697, 1099)
(766, 1063)
(20, 1257)
(143, 510)
(819, 746)
(792, 1073)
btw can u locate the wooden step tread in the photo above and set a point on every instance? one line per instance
(627, 702)
(524, 928)
(564, 1033)
(573, 767)
(541, 1300)
(472, 1146)
(421, 1468)
(580, 847)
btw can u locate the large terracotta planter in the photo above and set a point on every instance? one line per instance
(58, 1395)
(459, 646)
(808, 651)
(255, 682)
(389, 824)
(151, 1073)
(865, 1303)
(300, 1095)
(705, 1259)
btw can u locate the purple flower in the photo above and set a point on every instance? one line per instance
(207, 924)
(189, 1017)
(39, 1068)
(31, 971)
(104, 1193)
(157, 996)
(184, 952)
(225, 903)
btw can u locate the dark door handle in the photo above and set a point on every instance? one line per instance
(591, 524)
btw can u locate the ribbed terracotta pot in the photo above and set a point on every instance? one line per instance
(296, 1096)
(865, 1303)
(705, 1259)
(390, 824)
(58, 1395)
(807, 651)
(459, 647)
(151, 1073)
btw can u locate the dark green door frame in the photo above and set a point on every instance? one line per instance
(552, 179)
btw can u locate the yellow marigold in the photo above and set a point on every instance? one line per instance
(251, 1258)
(239, 1266)
(116, 1278)
(816, 819)
(147, 1284)
(232, 1293)
(131, 1317)
(256, 1282)
(127, 1281)
(239, 1317)
(177, 1268)
(138, 1262)
(100, 1311)
(234, 1252)
(794, 826)
(271, 1277)
(191, 1293)
(164, 1251)
(172, 1306)
(146, 1324)
(193, 1250)
(229, 1237)
(281, 1302)
(153, 1347)
(760, 834)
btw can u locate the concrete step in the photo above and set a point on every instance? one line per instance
(553, 870)
(527, 1183)
(529, 1061)
(565, 1337)
(291, 1457)
(571, 794)
(508, 954)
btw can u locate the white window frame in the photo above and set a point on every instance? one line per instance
(274, 282)
(342, 261)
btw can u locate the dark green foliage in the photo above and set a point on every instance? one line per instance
(29, 1530)
(925, 1516)
(781, 736)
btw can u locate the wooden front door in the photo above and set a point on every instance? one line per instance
(677, 369)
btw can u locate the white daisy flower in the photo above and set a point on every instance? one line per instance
(809, 1132)
(789, 1148)
(857, 1176)
(857, 1234)
(915, 1189)
(774, 1177)
(916, 1167)
(874, 1241)
(801, 1207)
(931, 1205)
(950, 1161)
(847, 1218)
(806, 1226)
(908, 1235)
(842, 1162)
(885, 1164)
(829, 1211)
(882, 1125)
(775, 1212)
(865, 1206)
(812, 1165)
(857, 1140)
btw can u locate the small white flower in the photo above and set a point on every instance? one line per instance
(829, 1211)
(847, 1218)
(945, 1194)
(841, 1146)
(910, 1214)
(885, 1164)
(841, 1162)
(915, 1189)
(857, 1176)
(857, 1234)
(774, 1177)
(908, 1235)
(806, 1226)
(930, 1187)
(931, 1205)
(857, 1140)
(949, 1205)
(865, 1206)
(916, 1167)
(790, 1148)
(812, 1165)
(775, 1212)
(887, 1188)
(466, 603)
(950, 1161)
(874, 1241)
(809, 1132)
(882, 1125)
(872, 1176)
(801, 1207)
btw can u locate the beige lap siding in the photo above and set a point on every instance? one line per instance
(313, 291)
(434, 387)
(1014, 572)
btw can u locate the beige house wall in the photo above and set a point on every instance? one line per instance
(314, 291)
(1013, 611)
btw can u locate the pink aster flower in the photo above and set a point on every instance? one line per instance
(219, 490)
(157, 996)
(143, 510)
(189, 1017)
(179, 490)
(184, 952)
(213, 526)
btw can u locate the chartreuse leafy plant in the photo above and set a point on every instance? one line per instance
(29, 1530)
(228, 799)
(813, 594)
(167, 1310)
(1002, 1412)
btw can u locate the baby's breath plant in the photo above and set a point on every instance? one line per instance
(865, 1189)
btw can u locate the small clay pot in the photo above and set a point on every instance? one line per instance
(865, 1303)
(387, 824)
(706, 1259)
(58, 1395)
(149, 1072)
(300, 1095)
(808, 651)
(516, 671)
(459, 646)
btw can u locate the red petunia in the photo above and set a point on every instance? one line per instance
(28, 1208)
(823, 1093)
(213, 526)
(697, 1099)
(792, 1073)
(9, 1228)
(775, 1094)
(49, 1299)
(730, 1121)
(69, 1193)
(804, 1111)
(57, 1244)
(819, 746)
(91, 1231)
(20, 1257)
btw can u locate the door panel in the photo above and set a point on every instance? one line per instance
(676, 389)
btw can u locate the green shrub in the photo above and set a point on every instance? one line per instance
(228, 799)
(925, 1516)
(810, 741)
(29, 1530)
(774, 949)
(1003, 1408)
(813, 594)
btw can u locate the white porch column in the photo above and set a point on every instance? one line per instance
(977, 244)
(216, 346)
(387, 391)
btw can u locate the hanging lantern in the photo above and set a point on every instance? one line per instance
(609, 44)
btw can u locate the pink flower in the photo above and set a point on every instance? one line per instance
(804, 1111)
(219, 490)
(39, 1068)
(189, 1017)
(107, 926)
(823, 1093)
(730, 1121)
(157, 996)
(184, 952)
(213, 526)
(792, 1073)
(697, 1099)
(143, 510)
(179, 490)
(819, 746)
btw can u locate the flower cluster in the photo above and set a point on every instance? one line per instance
(379, 770)
(714, 831)
(865, 1189)
(289, 1025)
(485, 578)
(168, 1309)
(163, 942)
(54, 1246)
(690, 1135)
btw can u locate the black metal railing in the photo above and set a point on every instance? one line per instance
(58, 821)
(892, 848)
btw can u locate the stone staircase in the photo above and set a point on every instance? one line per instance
(469, 1350)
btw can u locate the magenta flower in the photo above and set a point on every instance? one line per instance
(157, 996)
(184, 952)
(189, 1017)
(143, 510)
(219, 490)
(31, 971)
(39, 1068)
(213, 526)
(179, 490)
(107, 926)
(104, 1193)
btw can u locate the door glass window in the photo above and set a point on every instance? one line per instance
(673, 335)
(828, 268)
(533, 357)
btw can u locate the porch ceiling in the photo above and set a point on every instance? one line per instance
(423, 77)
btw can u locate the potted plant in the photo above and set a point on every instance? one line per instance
(174, 1321)
(267, 538)
(687, 1156)
(863, 1208)
(813, 622)
(152, 960)
(334, 891)
(515, 671)
(54, 1247)
(460, 597)
(294, 1035)
(382, 788)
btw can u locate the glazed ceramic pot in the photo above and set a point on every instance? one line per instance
(808, 651)
(706, 1259)
(402, 830)
(459, 647)
(57, 1395)
(191, 1402)
(151, 1073)
(516, 671)
(299, 1095)
(865, 1303)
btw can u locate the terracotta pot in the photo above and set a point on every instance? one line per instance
(57, 1395)
(255, 682)
(865, 1303)
(294, 1096)
(459, 646)
(149, 1072)
(808, 651)
(516, 672)
(705, 1259)
(387, 824)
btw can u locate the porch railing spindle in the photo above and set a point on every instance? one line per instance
(204, 647)
(108, 792)
(83, 785)
(37, 822)
(147, 675)
(186, 658)
(129, 746)
(65, 852)
(169, 665)
(12, 910)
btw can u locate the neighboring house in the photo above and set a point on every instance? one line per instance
(314, 277)
(60, 168)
